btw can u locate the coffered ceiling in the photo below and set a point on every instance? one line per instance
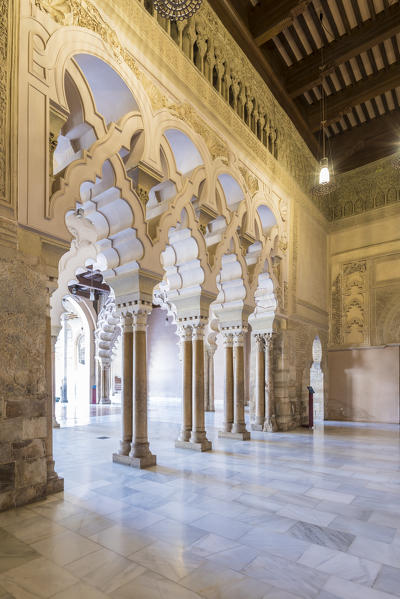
(358, 67)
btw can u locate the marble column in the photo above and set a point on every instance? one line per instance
(105, 384)
(270, 417)
(239, 426)
(209, 403)
(198, 437)
(185, 333)
(140, 455)
(56, 424)
(258, 424)
(228, 399)
(64, 391)
(127, 389)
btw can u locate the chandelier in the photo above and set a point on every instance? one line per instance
(177, 10)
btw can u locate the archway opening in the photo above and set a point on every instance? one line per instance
(317, 380)
(74, 364)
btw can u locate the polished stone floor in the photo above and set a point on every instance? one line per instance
(284, 516)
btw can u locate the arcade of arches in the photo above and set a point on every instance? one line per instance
(169, 283)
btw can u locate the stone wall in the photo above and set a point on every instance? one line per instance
(23, 387)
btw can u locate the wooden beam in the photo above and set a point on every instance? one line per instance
(372, 140)
(240, 32)
(340, 103)
(270, 17)
(306, 74)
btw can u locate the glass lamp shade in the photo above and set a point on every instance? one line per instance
(177, 10)
(325, 185)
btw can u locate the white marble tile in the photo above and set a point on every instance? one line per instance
(377, 532)
(105, 570)
(80, 590)
(383, 553)
(122, 540)
(388, 580)
(174, 564)
(342, 565)
(343, 589)
(37, 578)
(231, 528)
(304, 514)
(327, 495)
(288, 576)
(65, 547)
(210, 544)
(151, 585)
(283, 545)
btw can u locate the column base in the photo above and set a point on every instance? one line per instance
(55, 423)
(257, 427)
(270, 426)
(105, 400)
(204, 445)
(54, 483)
(143, 462)
(244, 436)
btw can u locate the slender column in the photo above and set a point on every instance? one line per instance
(270, 417)
(185, 333)
(140, 456)
(239, 426)
(210, 353)
(105, 384)
(53, 379)
(198, 435)
(64, 392)
(127, 387)
(260, 382)
(228, 404)
(206, 379)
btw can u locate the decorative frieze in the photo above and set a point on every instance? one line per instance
(366, 188)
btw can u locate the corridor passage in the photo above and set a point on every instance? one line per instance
(283, 516)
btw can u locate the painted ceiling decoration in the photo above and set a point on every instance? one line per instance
(360, 74)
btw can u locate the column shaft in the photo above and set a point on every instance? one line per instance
(260, 382)
(127, 385)
(270, 418)
(186, 344)
(239, 425)
(228, 404)
(141, 456)
(211, 406)
(105, 384)
(53, 379)
(198, 435)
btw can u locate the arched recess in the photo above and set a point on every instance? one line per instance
(83, 376)
(112, 97)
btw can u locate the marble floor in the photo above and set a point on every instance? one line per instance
(284, 516)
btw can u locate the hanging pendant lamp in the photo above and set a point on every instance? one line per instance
(177, 10)
(325, 184)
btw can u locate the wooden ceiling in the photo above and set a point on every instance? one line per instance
(359, 68)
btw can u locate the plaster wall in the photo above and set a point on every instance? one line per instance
(364, 384)
(164, 374)
(365, 317)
